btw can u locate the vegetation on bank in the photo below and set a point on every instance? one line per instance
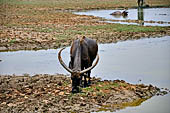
(46, 24)
(44, 93)
(84, 4)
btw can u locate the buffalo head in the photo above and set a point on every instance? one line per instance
(76, 74)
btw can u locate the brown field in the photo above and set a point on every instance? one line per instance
(43, 24)
(38, 24)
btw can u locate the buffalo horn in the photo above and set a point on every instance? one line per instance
(62, 63)
(89, 68)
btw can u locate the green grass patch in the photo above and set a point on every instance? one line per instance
(12, 41)
(100, 86)
(119, 28)
(88, 89)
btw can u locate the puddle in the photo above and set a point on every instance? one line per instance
(145, 16)
(139, 61)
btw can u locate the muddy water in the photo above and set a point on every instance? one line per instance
(144, 14)
(140, 61)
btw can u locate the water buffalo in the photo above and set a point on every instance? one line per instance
(83, 52)
(118, 13)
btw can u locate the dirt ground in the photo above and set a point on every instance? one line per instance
(52, 93)
(32, 25)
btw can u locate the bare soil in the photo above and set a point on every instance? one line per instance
(52, 93)
(32, 25)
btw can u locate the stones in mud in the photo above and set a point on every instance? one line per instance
(3, 48)
(162, 92)
(145, 92)
(11, 105)
(43, 93)
(41, 42)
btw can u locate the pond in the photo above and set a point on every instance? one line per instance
(135, 61)
(144, 16)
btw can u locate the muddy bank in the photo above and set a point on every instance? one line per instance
(52, 43)
(41, 26)
(140, 21)
(52, 93)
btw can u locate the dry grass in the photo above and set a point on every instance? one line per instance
(84, 4)
(38, 21)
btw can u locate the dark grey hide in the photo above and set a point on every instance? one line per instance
(83, 52)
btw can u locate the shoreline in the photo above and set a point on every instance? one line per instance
(43, 27)
(16, 46)
(52, 93)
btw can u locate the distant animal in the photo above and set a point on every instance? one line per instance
(118, 13)
(140, 3)
(83, 52)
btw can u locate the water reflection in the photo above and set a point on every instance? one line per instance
(152, 16)
(114, 107)
(141, 16)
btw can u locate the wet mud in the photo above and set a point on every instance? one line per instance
(52, 93)
(53, 44)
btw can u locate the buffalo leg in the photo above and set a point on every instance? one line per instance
(89, 78)
(87, 75)
(83, 83)
(81, 80)
(85, 80)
